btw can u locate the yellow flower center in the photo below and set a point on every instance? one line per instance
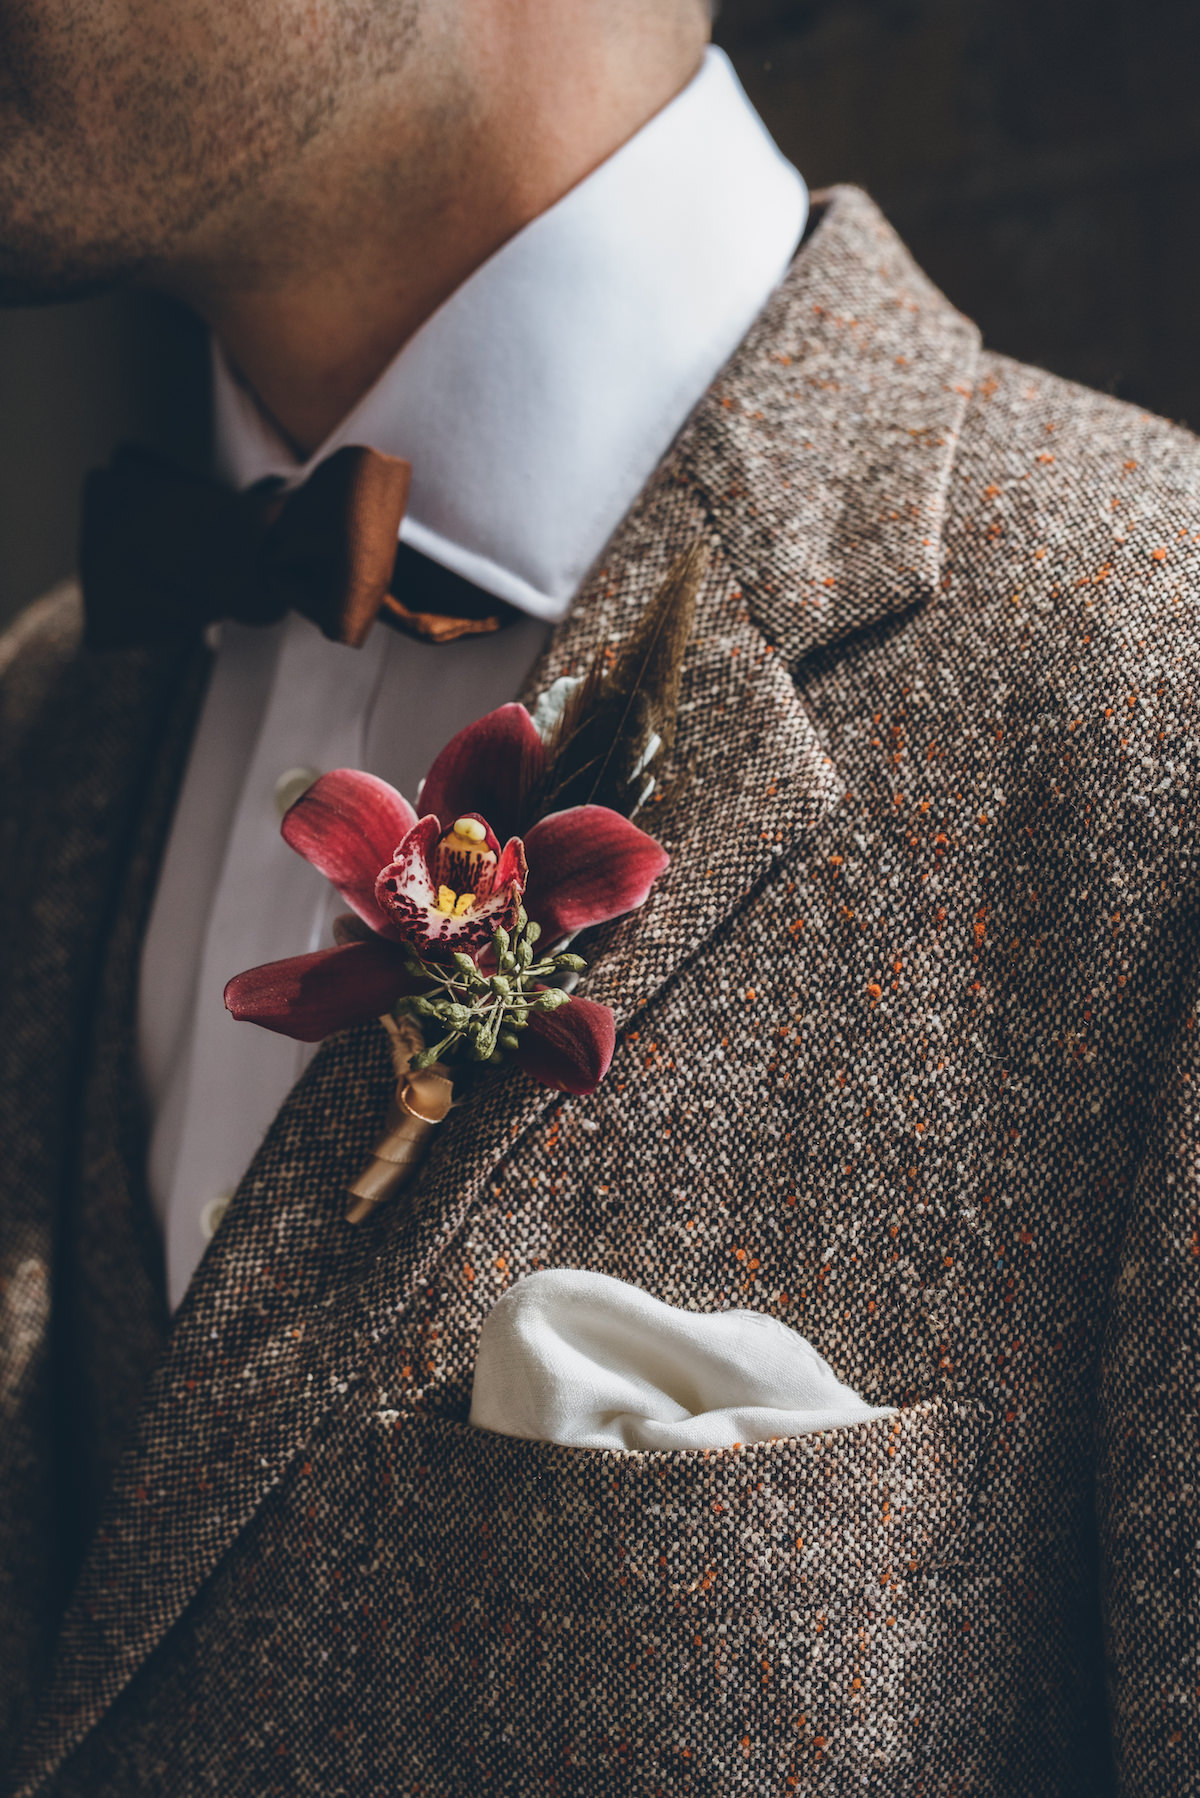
(455, 905)
(463, 867)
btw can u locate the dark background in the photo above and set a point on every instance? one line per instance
(1041, 157)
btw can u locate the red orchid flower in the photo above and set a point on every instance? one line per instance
(437, 878)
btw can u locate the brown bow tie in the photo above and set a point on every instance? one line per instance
(165, 552)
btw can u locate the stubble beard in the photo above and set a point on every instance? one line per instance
(114, 159)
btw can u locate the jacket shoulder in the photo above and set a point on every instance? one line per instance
(1093, 439)
(1065, 499)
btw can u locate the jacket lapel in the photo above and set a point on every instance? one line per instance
(817, 467)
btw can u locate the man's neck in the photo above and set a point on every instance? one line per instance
(312, 288)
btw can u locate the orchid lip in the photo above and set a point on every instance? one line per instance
(448, 891)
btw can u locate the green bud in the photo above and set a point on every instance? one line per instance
(484, 1034)
(524, 953)
(500, 939)
(507, 1040)
(575, 964)
(550, 1000)
(424, 1008)
(522, 919)
(508, 963)
(502, 985)
(464, 963)
(495, 1059)
(532, 932)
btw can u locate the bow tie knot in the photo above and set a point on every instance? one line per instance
(164, 553)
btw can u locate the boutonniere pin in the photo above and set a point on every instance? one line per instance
(463, 906)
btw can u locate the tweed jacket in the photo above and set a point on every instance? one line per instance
(907, 1058)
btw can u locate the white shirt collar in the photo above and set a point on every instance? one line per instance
(536, 402)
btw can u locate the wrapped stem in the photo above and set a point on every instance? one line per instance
(423, 1098)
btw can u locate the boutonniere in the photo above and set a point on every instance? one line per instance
(463, 905)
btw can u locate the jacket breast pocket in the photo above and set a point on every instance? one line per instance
(767, 1619)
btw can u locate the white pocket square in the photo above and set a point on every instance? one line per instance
(585, 1360)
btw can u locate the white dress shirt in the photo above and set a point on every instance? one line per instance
(533, 406)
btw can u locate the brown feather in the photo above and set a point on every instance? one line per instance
(596, 753)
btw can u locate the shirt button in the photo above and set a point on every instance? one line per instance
(292, 784)
(212, 1214)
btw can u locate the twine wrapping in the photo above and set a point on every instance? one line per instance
(422, 1100)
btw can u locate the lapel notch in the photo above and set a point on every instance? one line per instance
(825, 451)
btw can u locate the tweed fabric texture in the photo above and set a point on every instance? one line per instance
(907, 1059)
(103, 741)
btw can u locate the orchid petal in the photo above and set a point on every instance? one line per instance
(570, 1048)
(348, 825)
(485, 770)
(309, 997)
(586, 865)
